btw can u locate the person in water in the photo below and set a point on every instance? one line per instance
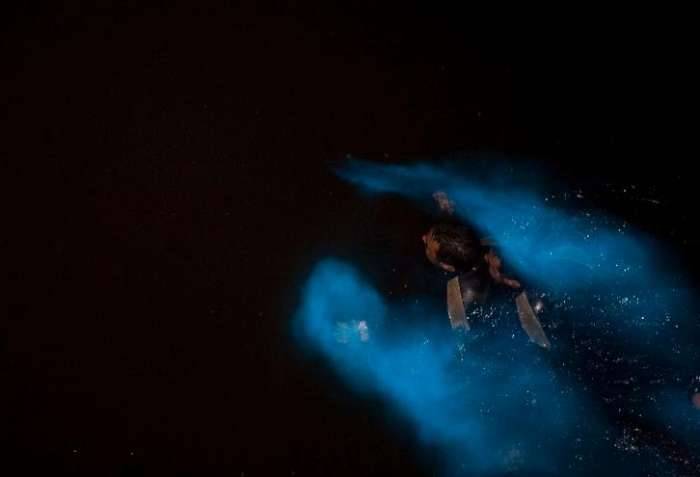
(480, 280)
(456, 248)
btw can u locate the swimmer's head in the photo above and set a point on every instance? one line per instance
(453, 247)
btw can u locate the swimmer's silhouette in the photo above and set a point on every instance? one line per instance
(456, 248)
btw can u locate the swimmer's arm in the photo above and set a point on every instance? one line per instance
(444, 203)
(528, 318)
(494, 263)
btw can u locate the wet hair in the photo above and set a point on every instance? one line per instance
(460, 246)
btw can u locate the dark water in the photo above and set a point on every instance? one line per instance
(170, 189)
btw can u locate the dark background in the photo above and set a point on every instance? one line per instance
(170, 187)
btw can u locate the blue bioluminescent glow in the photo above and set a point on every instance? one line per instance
(557, 248)
(606, 262)
(485, 420)
(498, 406)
